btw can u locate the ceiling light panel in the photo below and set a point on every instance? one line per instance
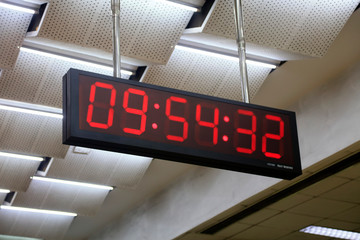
(31, 224)
(60, 196)
(31, 134)
(88, 23)
(302, 27)
(331, 232)
(101, 167)
(15, 173)
(190, 70)
(41, 79)
(13, 27)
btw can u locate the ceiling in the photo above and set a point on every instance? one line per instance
(309, 37)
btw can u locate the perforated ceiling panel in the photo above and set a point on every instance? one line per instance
(38, 79)
(101, 167)
(62, 197)
(305, 27)
(2, 197)
(15, 173)
(31, 134)
(45, 226)
(88, 23)
(205, 74)
(13, 27)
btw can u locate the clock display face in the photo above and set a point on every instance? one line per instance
(120, 115)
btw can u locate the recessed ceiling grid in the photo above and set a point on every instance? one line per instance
(142, 22)
(206, 75)
(40, 78)
(332, 202)
(13, 27)
(292, 26)
(101, 167)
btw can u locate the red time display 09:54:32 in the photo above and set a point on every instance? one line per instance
(188, 121)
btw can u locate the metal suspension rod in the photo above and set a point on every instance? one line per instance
(115, 8)
(240, 40)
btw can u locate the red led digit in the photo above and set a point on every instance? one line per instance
(274, 137)
(245, 131)
(90, 112)
(202, 123)
(176, 119)
(141, 112)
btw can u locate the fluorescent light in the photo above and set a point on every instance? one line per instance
(72, 183)
(180, 5)
(261, 64)
(38, 210)
(13, 155)
(330, 232)
(4, 191)
(73, 60)
(11, 237)
(17, 8)
(223, 56)
(31, 111)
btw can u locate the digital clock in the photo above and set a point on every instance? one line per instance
(130, 117)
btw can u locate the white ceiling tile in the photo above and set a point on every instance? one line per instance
(349, 192)
(142, 23)
(2, 197)
(324, 185)
(15, 173)
(40, 78)
(13, 26)
(289, 221)
(31, 134)
(320, 207)
(290, 201)
(30, 224)
(101, 167)
(286, 25)
(61, 197)
(189, 71)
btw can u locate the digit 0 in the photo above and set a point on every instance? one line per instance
(212, 125)
(90, 112)
(245, 131)
(141, 112)
(176, 119)
(277, 137)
